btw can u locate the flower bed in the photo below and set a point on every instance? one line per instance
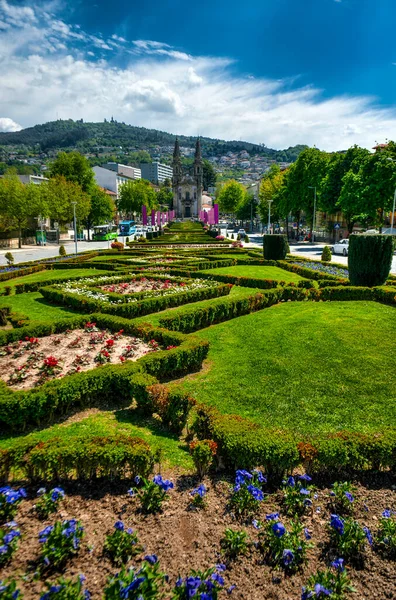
(33, 361)
(322, 268)
(143, 284)
(268, 562)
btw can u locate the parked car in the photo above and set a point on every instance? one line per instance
(341, 247)
(139, 231)
(241, 233)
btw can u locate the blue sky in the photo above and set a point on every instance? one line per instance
(280, 72)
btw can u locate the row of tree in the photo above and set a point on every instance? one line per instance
(358, 183)
(71, 184)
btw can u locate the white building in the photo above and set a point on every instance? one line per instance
(36, 179)
(111, 180)
(131, 172)
(156, 172)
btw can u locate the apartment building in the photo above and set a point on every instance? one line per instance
(156, 172)
(109, 179)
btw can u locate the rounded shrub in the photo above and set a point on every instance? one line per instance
(326, 254)
(275, 247)
(117, 246)
(369, 259)
(62, 251)
(9, 258)
(246, 240)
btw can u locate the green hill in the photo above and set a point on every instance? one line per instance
(71, 134)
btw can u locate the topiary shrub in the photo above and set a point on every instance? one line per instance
(246, 240)
(369, 259)
(127, 240)
(9, 258)
(238, 237)
(326, 254)
(117, 246)
(149, 235)
(232, 236)
(62, 251)
(275, 247)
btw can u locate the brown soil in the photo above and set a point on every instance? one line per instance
(185, 539)
(74, 350)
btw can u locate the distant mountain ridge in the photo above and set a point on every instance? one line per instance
(69, 133)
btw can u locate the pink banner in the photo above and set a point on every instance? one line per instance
(211, 219)
(158, 218)
(144, 215)
(153, 217)
(205, 216)
(216, 213)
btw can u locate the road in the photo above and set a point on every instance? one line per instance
(27, 253)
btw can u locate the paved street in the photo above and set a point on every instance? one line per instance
(27, 253)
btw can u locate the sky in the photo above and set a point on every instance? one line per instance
(277, 72)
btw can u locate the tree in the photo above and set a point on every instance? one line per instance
(165, 195)
(58, 195)
(18, 203)
(378, 174)
(209, 175)
(231, 195)
(74, 167)
(101, 210)
(269, 193)
(247, 209)
(134, 194)
(338, 166)
(351, 201)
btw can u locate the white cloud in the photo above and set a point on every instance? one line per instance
(53, 69)
(7, 124)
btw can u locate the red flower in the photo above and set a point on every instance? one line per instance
(109, 343)
(51, 361)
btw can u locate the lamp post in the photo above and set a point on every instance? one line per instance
(313, 187)
(269, 216)
(75, 226)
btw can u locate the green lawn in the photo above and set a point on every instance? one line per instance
(256, 271)
(52, 274)
(174, 452)
(307, 366)
(35, 307)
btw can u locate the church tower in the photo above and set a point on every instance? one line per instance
(198, 175)
(176, 177)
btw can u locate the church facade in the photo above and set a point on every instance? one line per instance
(187, 185)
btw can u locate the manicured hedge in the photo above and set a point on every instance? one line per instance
(369, 259)
(194, 318)
(304, 272)
(275, 247)
(20, 272)
(22, 409)
(21, 288)
(77, 457)
(245, 444)
(104, 266)
(134, 309)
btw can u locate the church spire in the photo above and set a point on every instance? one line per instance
(176, 151)
(198, 154)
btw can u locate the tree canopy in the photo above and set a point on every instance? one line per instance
(134, 194)
(231, 195)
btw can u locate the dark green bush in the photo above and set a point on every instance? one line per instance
(149, 235)
(275, 247)
(326, 254)
(369, 259)
(62, 251)
(21, 272)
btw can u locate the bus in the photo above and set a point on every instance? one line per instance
(105, 232)
(126, 228)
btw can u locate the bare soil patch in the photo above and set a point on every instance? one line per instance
(184, 538)
(34, 361)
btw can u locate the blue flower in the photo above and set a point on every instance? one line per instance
(3, 549)
(260, 476)
(56, 494)
(221, 567)
(255, 492)
(167, 485)
(287, 557)
(151, 558)
(307, 534)
(231, 588)
(119, 525)
(157, 479)
(307, 502)
(349, 496)
(256, 524)
(291, 481)
(137, 479)
(131, 492)
(272, 517)
(305, 477)
(368, 535)
(387, 514)
(199, 491)
(41, 491)
(321, 590)
(305, 492)
(338, 564)
(337, 523)
(217, 578)
(278, 529)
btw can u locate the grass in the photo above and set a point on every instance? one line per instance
(52, 274)
(256, 271)
(306, 366)
(34, 306)
(174, 452)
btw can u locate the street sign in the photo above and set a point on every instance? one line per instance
(337, 226)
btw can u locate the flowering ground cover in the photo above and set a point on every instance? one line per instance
(34, 361)
(109, 531)
(50, 275)
(318, 266)
(305, 366)
(141, 285)
(257, 271)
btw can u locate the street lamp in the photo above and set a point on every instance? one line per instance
(313, 187)
(269, 216)
(75, 226)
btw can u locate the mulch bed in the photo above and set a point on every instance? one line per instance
(186, 538)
